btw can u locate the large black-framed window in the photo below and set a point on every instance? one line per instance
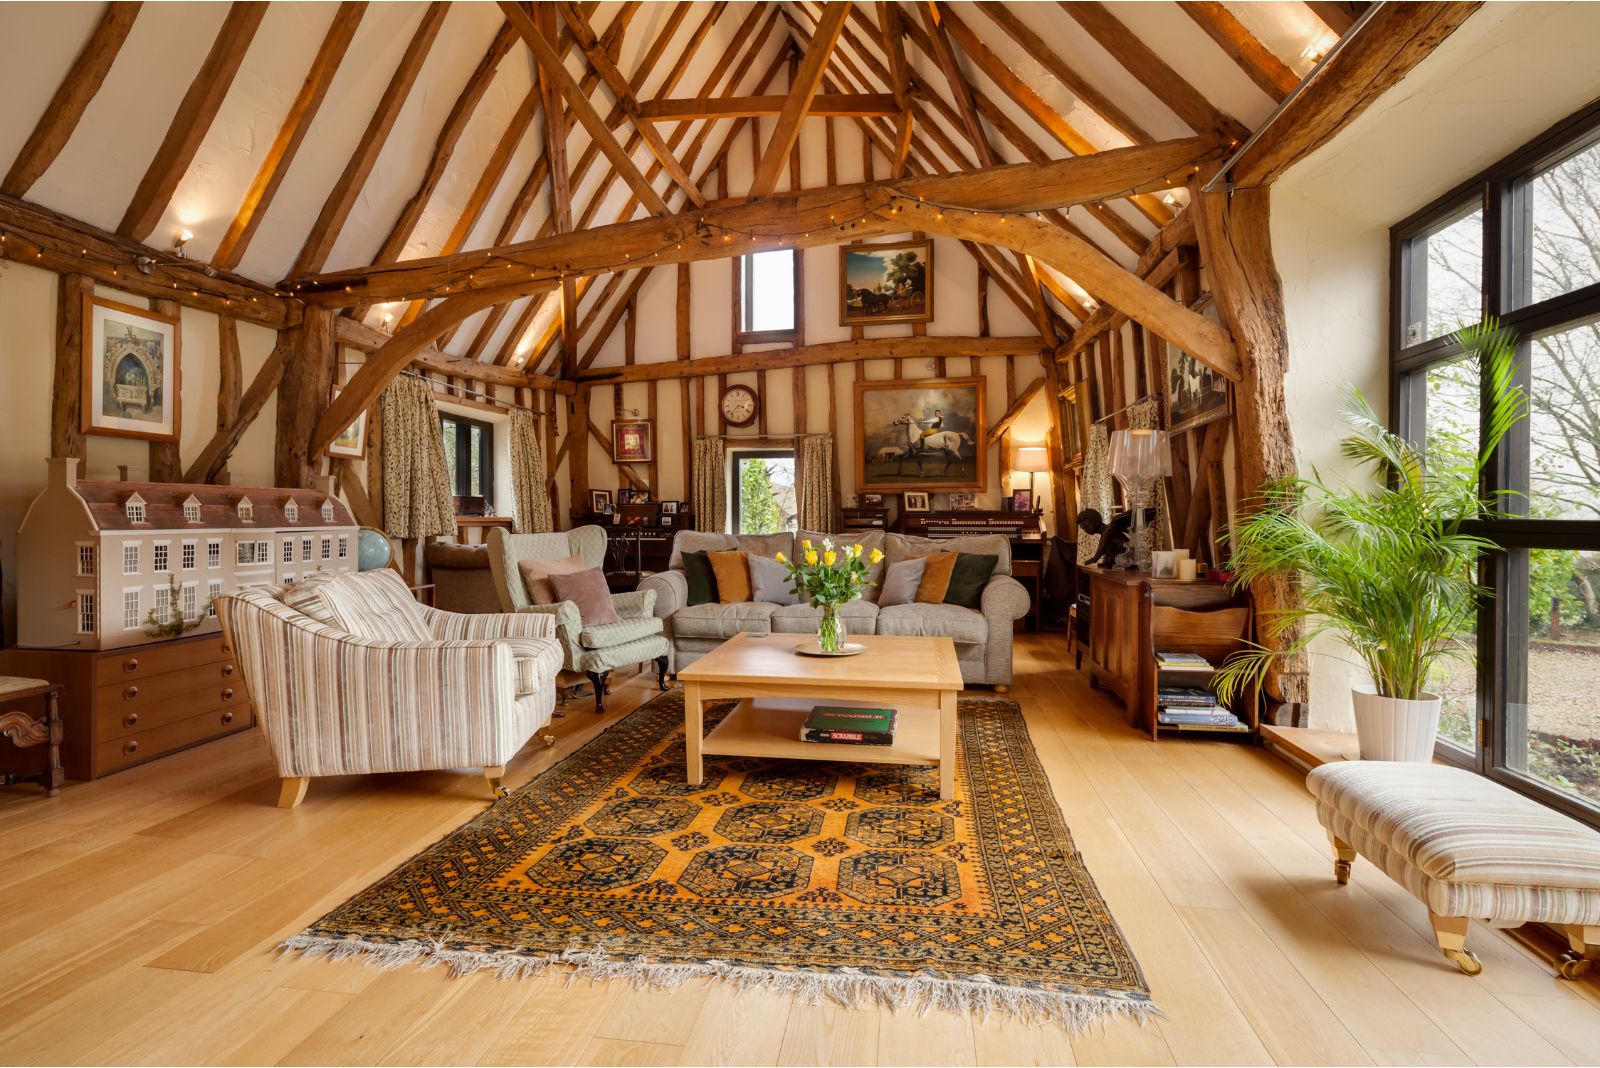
(468, 461)
(761, 487)
(1521, 242)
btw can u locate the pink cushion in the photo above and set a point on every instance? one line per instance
(536, 576)
(587, 590)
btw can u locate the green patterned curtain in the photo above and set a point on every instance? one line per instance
(528, 475)
(710, 490)
(814, 453)
(1096, 491)
(416, 490)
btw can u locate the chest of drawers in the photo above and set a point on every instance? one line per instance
(122, 707)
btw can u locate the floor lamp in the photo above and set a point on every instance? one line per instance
(1032, 459)
(1137, 458)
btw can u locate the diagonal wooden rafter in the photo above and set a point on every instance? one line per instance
(899, 81)
(807, 80)
(1271, 74)
(72, 97)
(549, 61)
(845, 105)
(296, 124)
(618, 83)
(192, 120)
(336, 209)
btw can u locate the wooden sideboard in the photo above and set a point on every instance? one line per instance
(1119, 656)
(122, 707)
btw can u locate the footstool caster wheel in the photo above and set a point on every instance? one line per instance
(1466, 960)
(1341, 871)
(548, 740)
(1573, 966)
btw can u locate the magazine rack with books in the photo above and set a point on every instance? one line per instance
(1187, 648)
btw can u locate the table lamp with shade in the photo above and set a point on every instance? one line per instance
(1137, 458)
(1031, 459)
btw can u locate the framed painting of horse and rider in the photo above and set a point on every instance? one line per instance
(886, 283)
(921, 434)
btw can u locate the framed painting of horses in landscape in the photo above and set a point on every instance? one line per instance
(920, 434)
(890, 283)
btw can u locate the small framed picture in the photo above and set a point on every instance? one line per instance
(1022, 500)
(667, 519)
(872, 500)
(352, 444)
(633, 441)
(669, 508)
(963, 501)
(600, 501)
(130, 372)
(916, 501)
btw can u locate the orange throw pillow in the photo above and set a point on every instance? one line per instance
(536, 576)
(733, 575)
(936, 578)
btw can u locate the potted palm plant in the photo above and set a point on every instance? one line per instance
(1389, 568)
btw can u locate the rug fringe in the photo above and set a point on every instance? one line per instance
(846, 988)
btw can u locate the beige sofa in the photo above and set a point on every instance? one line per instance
(982, 637)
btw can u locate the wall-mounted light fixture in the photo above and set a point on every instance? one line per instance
(184, 237)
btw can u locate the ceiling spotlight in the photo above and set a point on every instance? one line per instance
(184, 237)
(1170, 200)
(1317, 49)
(388, 321)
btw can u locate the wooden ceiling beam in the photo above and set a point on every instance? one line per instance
(807, 80)
(72, 97)
(550, 63)
(879, 348)
(618, 83)
(944, 57)
(359, 335)
(1337, 15)
(683, 109)
(1271, 74)
(192, 120)
(1153, 72)
(342, 197)
(296, 124)
(1389, 44)
(894, 47)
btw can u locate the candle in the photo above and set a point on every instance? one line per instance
(1186, 570)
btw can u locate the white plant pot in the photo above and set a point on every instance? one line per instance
(1392, 728)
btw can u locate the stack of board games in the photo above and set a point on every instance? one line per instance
(850, 726)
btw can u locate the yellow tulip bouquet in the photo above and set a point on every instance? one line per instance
(831, 577)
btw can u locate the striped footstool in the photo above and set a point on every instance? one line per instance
(1468, 849)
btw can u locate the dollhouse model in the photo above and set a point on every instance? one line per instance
(97, 557)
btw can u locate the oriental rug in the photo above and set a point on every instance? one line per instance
(849, 882)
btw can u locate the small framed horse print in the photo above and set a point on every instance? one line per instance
(921, 434)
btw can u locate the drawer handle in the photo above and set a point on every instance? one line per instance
(130, 748)
(131, 719)
(227, 695)
(226, 650)
(130, 692)
(131, 664)
(227, 669)
(227, 717)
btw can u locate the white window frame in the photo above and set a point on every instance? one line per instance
(191, 511)
(344, 546)
(213, 553)
(163, 603)
(138, 557)
(263, 552)
(191, 600)
(213, 591)
(84, 607)
(244, 553)
(327, 511)
(288, 550)
(291, 511)
(158, 551)
(188, 556)
(134, 510)
(88, 559)
(137, 608)
(305, 550)
(327, 547)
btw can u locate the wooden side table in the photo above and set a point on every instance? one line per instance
(24, 730)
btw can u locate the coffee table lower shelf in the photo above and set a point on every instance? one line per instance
(770, 727)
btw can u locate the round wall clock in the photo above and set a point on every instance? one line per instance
(739, 405)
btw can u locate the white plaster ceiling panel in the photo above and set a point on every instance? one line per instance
(54, 35)
(209, 195)
(94, 177)
(1189, 50)
(380, 40)
(1286, 29)
(461, 43)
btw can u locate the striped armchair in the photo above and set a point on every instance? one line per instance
(349, 675)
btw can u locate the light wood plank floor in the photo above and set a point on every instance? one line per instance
(140, 913)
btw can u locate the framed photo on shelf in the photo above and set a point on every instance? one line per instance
(963, 502)
(352, 443)
(921, 434)
(667, 519)
(130, 372)
(872, 500)
(915, 501)
(633, 441)
(669, 507)
(1196, 394)
(886, 283)
(1022, 500)
(600, 501)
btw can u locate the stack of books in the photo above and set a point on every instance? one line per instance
(849, 726)
(1193, 706)
(1193, 661)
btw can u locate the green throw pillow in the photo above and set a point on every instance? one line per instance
(702, 580)
(967, 579)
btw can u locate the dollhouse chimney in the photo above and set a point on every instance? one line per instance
(122, 473)
(324, 484)
(63, 472)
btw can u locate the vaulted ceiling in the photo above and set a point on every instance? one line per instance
(291, 138)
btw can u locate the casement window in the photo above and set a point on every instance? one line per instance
(186, 557)
(468, 457)
(86, 618)
(768, 288)
(132, 613)
(130, 558)
(162, 557)
(1521, 242)
(761, 486)
(86, 559)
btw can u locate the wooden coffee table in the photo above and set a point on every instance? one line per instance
(777, 688)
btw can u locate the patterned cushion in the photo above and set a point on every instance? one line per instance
(934, 620)
(376, 605)
(1455, 826)
(723, 620)
(860, 617)
(306, 596)
(609, 634)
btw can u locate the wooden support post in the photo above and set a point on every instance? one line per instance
(66, 411)
(165, 463)
(303, 398)
(578, 450)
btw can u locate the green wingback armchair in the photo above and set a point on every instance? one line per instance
(591, 651)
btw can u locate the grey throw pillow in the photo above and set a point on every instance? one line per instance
(770, 582)
(900, 582)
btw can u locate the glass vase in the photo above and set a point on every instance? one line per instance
(830, 631)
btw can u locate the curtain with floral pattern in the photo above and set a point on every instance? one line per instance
(1096, 490)
(710, 490)
(814, 456)
(417, 501)
(528, 474)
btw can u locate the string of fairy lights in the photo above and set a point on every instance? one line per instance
(464, 278)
